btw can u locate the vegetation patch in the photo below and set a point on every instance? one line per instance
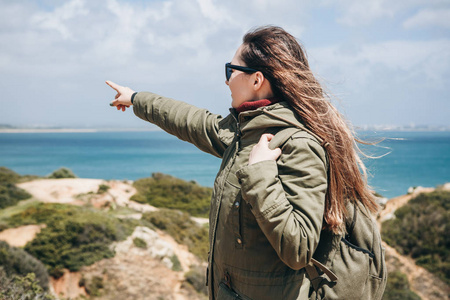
(103, 188)
(166, 191)
(22, 287)
(176, 263)
(74, 236)
(62, 173)
(10, 194)
(93, 286)
(420, 229)
(182, 228)
(140, 243)
(397, 288)
(196, 278)
(15, 261)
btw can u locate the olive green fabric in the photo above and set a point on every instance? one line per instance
(265, 219)
(357, 258)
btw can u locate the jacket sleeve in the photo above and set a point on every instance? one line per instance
(209, 132)
(287, 198)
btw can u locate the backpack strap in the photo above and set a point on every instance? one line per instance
(353, 222)
(314, 276)
(324, 269)
(282, 136)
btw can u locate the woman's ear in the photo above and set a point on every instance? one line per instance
(259, 80)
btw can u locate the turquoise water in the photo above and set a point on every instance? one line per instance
(420, 158)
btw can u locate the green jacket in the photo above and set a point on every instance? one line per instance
(265, 219)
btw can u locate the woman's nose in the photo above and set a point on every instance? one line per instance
(226, 82)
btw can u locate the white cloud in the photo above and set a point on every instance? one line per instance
(428, 60)
(356, 12)
(179, 47)
(429, 18)
(56, 20)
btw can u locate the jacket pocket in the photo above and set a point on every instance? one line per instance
(351, 264)
(225, 293)
(234, 198)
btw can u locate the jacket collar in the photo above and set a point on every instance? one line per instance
(252, 105)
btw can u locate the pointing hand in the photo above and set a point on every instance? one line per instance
(123, 96)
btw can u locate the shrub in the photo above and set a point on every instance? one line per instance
(184, 230)
(62, 173)
(11, 194)
(140, 243)
(420, 229)
(21, 287)
(74, 236)
(169, 192)
(8, 176)
(93, 286)
(15, 261)
(196, 278)
(176, 263)
(103, 188)
(397, 288)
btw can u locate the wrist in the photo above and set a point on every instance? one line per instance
(132, 97)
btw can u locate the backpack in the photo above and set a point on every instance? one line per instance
(348, 266)
(357, 259)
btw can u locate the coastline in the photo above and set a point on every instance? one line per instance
(74, 130)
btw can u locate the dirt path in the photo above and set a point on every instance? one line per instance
(422, 282)
(20, 236)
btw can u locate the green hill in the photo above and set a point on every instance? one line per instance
(421, 229)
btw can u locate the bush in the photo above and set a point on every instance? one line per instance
(93, 286)
(180, 226)
(420, 229)
(176, 263)
(397, 288)
(62, 173)
(140, 243)
(169, 192)
(21, 287)
(15, 261)
(103, 188)
(196, 278)
(10, 195)
(74, 236)
(8, 176)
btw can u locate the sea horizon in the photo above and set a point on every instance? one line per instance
(415, 158)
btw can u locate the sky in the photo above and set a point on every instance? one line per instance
(384, 62)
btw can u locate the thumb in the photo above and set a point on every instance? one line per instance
(277, 152)
(266, 138)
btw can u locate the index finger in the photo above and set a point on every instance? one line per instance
(113, 85)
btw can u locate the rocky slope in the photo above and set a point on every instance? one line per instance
(422, 282)
(157, 270)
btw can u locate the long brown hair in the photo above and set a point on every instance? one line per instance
(280, 57)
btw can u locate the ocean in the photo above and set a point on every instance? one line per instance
(415, 158)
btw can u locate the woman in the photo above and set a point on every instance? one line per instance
(270, 202)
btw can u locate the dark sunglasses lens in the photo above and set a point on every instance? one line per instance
(228, 72)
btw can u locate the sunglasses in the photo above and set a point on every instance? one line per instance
(229, 70)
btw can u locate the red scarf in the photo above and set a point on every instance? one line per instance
(252, 105)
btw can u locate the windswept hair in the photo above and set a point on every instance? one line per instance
(282, 60)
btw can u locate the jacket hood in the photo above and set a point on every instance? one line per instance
(278, 115)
